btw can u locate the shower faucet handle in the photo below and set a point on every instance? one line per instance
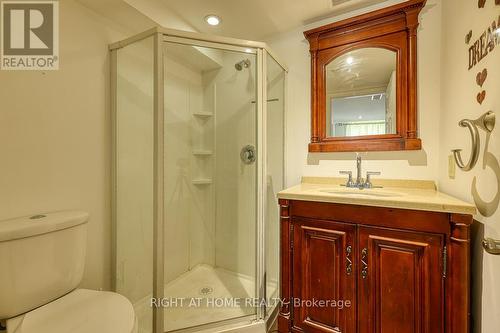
(248, 154)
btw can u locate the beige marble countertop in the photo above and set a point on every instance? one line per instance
(404, 194)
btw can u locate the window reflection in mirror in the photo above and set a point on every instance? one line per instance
(361, 93)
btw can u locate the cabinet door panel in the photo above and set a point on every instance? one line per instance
(324, 271)
(400, 281)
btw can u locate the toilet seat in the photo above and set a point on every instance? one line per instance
(80, 311)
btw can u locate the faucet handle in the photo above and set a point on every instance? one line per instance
(350, 182)
(368, 183)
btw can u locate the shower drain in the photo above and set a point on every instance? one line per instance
(206, 290)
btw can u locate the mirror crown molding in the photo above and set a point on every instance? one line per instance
(393, 27)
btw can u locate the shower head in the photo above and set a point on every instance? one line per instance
(242, 64)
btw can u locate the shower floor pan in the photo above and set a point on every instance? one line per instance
(204, 295)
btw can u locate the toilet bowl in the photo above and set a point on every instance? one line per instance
(80, 311)
(42, 259)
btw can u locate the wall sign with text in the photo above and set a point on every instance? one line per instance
(479, 49)
(29, 35)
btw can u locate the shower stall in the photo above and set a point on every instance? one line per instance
(198, 157)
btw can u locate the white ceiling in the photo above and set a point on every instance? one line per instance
(247, 19)
(369, 72)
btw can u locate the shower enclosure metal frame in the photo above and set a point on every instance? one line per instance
(161, 35)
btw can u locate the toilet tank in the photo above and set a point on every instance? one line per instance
(42, 257)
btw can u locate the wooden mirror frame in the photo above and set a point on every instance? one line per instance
(393, 28)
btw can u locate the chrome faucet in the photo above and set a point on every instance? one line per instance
(359, 179)
(360, 182)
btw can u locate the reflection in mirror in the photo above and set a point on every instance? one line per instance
(361, 93)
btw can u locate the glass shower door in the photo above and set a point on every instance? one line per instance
(133, 177)
(210, 183)
(275, 136)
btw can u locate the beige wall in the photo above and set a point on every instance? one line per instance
(293, 50)
(55, 134)
(459, 91)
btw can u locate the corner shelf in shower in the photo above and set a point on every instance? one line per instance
(203, 149)
(201, 181)
(203, 114)
(202, 152)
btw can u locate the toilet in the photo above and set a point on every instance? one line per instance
(42, 259)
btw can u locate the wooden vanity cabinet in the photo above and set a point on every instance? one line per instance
(323, 269)
(401, 283)
(401, 270)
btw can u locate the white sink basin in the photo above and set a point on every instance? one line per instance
(379, 193)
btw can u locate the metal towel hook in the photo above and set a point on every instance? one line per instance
(487, 123)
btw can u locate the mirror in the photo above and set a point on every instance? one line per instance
(364, 81)
(361, 93)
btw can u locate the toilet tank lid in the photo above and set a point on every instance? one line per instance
(38, 224)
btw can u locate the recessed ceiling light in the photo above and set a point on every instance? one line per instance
(212, 19)
(360, 117)
(349, 60)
